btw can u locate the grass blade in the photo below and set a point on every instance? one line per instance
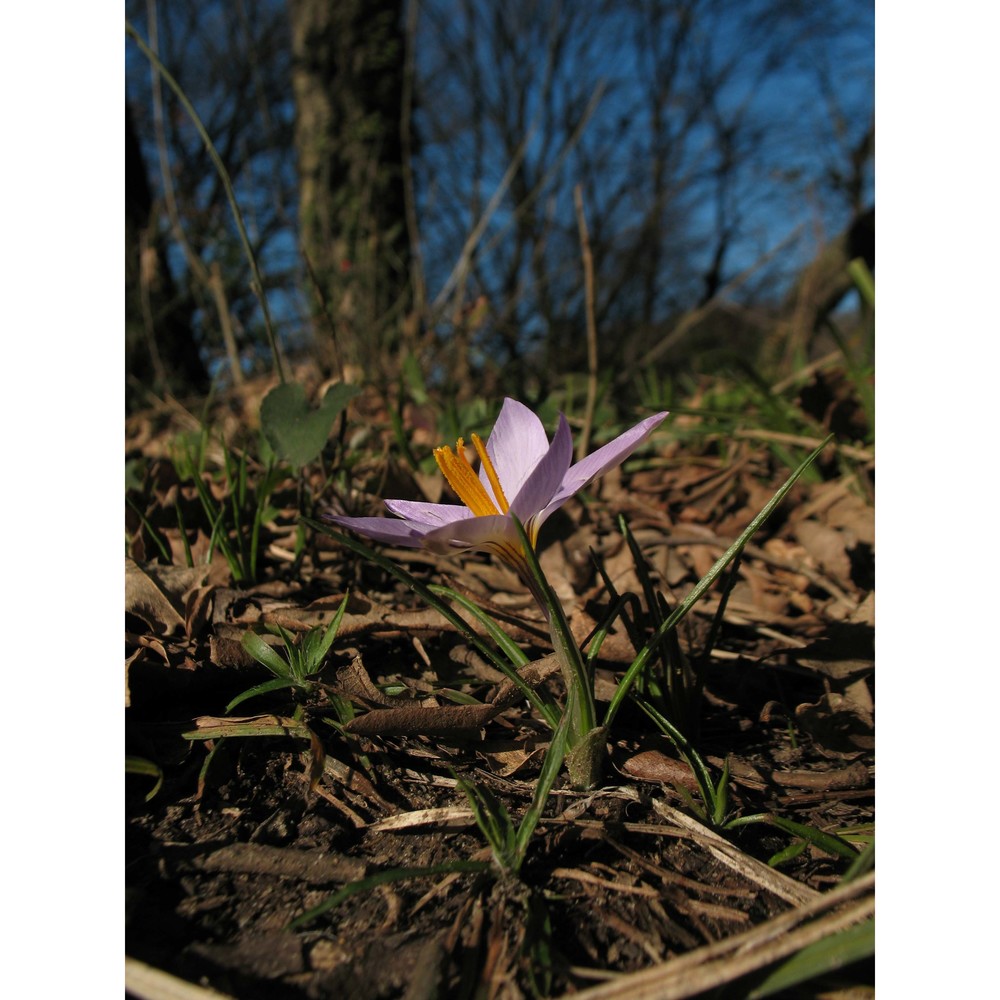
(142, 765)
(507, 645)
(704, 583)
(546, 778)
(275, 684)
(852, 944)
(266, 655)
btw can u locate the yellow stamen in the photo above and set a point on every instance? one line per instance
(464, 481)
(491, 473)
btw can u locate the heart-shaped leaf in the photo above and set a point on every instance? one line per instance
(292, 428)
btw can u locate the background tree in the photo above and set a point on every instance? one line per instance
(348, 78)
(674, 119)
(160, 351)
(233, 63)
(718, 147)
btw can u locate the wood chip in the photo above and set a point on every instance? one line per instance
(311, 867)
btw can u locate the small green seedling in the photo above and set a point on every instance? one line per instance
(302, 660)
(235, 521)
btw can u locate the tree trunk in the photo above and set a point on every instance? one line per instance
(160, 351)
(348, 72)
(820, 288)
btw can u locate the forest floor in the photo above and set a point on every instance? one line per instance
(266, 813)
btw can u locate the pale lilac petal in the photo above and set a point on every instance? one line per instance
(491, 531)
(515, 446)
(384, 529)
(611, 455)
(431, 515)
(547, 476)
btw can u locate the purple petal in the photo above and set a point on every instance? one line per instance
(611, 455)
(547, 476)
(516, 445)
(430, 515)
(383, 529)
(492, 531)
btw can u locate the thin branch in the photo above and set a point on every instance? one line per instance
(464, 258)
(588, 281)
(406, 141)
(257, 282)
(695, 316)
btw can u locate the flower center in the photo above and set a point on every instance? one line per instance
(466, 484)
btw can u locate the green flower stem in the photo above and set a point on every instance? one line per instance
(586, 742)
(564, 645)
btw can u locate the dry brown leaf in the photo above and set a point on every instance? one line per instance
(701, 558)
(156, 594)
(508, 762)
(354, 683)
(828, 549)
(558, 572)
(651, 765)
(198, 610)
(821, 497)
(422, 721)
(311, 867)
(227, 651)
(142, 644)
(442, 818)
(855, 517)
(865, 613)
(765, 592)
(846, 652)
(838, 723)
(784, 551)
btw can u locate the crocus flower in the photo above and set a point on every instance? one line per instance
(521, 473)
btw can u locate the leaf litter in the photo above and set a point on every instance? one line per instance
(262, 817)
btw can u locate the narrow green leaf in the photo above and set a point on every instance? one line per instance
(276, 684)
(510, 649)
(691, 757)
(600, 633)
(828, 842)
(699, 589)
(153, 533)
(141, 765)
(266, 655)
(329, 635)
(862, 864)
(852, 944)
(609, 586)
(293, 652)
(546, 778)
(786, 854)
(493, 820)
(721, 803)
